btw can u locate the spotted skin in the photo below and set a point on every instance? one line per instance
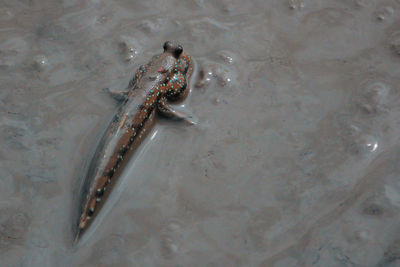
(165, 78)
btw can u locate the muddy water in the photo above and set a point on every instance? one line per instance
(295, 161)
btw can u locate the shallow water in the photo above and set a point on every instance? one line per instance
(295, 161)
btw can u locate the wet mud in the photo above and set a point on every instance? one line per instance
(294, 162)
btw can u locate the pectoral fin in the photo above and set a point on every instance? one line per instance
(167, 111)
(119, 96)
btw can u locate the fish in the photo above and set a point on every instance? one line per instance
(166, 78)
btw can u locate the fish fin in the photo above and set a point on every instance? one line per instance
(167, 111)
(118, 96)
(77, 236)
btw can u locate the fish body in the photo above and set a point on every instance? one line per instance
(165, 78)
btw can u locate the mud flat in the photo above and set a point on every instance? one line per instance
(295, 161)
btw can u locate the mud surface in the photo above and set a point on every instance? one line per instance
(295, 161)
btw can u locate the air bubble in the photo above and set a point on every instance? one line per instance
(152, 26)
(168, 247)
(358, 141)
(214, 71)
(296, 4)
(363, 235)
(384, 13)
(375, 98)
(128, 48)
(226, 56)
(372, 146)
(40, 62)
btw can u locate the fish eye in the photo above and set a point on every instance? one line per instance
(166, 45)
(178, 51)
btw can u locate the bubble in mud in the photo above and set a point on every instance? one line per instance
(128, 48)
(216, 100)
(40, 62)
(174, 226)
(214, 71)
(296, 4)
(384, 13)
(226, 56)
(375, 98)
(371, 145)
(204, 78)
(168, 247)
(364, 142)
(223, 75)
(363, 235)
(151, 26)
(169, 236)
(357, 141)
